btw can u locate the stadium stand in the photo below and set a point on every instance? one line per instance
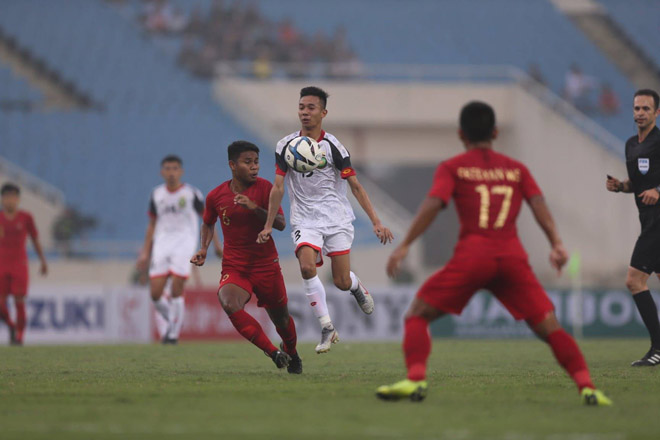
(640, 19)
(152, 108)
(107, 162)
(510, 32)
(15, 92)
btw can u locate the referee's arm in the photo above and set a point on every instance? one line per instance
(615, 185)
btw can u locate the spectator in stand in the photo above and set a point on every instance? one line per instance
(236, 31)
(578, 87)
(262, 67)
(161, 17)
(608, 102)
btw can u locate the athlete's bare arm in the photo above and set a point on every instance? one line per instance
(260, 212)
(426, 213)
(558, 254)
(43, 269)
(382, 232)
(143, 258)
(206, 233)
(274, 202)
(217, 246)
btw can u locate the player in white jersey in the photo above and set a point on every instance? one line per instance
(321, 215)
(171, 238)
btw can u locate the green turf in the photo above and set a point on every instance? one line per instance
(509, 390)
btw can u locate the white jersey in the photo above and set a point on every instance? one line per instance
(318, 198)
(177, 215)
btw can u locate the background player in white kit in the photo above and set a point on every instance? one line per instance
(321, 215)
(171, 238)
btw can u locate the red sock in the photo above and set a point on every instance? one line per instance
(20, 317)
(416, 346)
(4, 312)
(289, 336)
(250, 329)
(570, 357)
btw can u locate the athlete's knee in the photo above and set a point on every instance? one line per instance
(281, 321)
(342, 281)
(156, 294)
(231, 305)
(422, 310)
(544, 325)
(308, 270)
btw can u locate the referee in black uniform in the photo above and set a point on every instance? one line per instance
(643, 163)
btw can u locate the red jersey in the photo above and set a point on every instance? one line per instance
(13, 234)
(488, 188)
(240, 226)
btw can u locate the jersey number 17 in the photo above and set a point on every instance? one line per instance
(484, 207)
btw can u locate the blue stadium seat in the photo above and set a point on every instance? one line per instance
(640, 19)
(107, 162)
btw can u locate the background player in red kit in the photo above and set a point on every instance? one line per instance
(15, 226)
(248, 267)
(488, 188)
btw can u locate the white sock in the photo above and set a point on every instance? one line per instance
(163, 307)
(354, 282)
(178, 313)
(316, 294)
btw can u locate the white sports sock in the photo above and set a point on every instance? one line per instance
(316, 294)
(354, 282)
(178, 313)
(163, 307)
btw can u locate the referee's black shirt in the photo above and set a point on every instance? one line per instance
(643, 163)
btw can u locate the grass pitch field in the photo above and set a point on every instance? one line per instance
(508, 390)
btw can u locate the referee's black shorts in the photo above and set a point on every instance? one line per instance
(646, 255)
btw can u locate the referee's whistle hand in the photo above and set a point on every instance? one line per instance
(650, 196)
(612, 184)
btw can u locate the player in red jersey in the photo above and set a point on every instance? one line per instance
(15, 226)
(248, 267)
(488, 189)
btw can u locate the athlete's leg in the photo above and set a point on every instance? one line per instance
(285, 327)
(233, 299)
(21, 317)
(156, 287)
(177, 306)
(19, 288)
(5, 284)
(341, 272)
(416, 337)
(347, 281)
(564, 348)
(307, 257)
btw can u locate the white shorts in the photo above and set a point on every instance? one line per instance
(330, 240)
(171, 259)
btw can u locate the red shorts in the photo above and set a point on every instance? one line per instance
(510, 279)
(267, 284)
(14, 280)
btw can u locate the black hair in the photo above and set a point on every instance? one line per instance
(477, 121)
(235, 149)
(649, 92)
(171, 158)
(315, 91)
(10, 188)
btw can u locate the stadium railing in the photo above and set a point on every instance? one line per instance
(356, 71)
(27, 180)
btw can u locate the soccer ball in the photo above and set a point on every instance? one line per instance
(303, 154)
